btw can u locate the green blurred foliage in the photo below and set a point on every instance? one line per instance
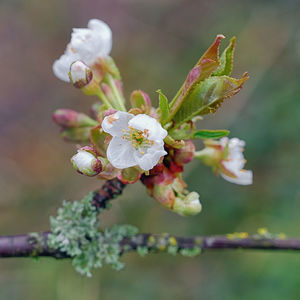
(155, 45)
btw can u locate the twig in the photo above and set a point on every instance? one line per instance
(35, 245)
(110, 190)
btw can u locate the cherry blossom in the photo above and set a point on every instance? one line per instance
(137, 140)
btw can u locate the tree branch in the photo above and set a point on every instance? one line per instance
(109, 191)
(36, 244)
(32, 245)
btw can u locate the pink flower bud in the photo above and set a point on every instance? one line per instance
(185, 154)
(70, 118)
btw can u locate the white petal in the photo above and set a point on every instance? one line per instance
(235, 160)
(244, 177)
(83, 159)
(120, 153)
(93, 42)
(61, 67)
(142, 121)
(151, 157)
(78, 71)
(115, 123)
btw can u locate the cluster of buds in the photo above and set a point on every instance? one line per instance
(165, 183)
(147, 143)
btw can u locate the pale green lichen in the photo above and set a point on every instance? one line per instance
(142, 251)
(173, 250)
(35, 239)
(76, 231)
(190, 252)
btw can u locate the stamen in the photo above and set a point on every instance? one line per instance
(138, 138)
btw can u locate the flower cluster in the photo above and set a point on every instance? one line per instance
(147, 143)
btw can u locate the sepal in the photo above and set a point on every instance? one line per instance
(141, 100)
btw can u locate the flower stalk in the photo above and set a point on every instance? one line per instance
(119, 100)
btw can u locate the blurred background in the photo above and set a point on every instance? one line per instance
(155, 45)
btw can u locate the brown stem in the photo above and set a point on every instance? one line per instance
(36, 244)
(110, 190)
(29, 245)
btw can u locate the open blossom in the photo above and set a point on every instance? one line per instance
(87, 44)
(226, 158)
(137, 140)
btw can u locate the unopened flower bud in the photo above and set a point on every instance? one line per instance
(85, 162)
(164, 194)
(185, 154)
(71, 118)
(80, 74)
(170, 191)
(187, 206)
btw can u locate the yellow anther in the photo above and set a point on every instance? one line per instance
(173, 241)
(262, 231)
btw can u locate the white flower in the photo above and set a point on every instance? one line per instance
(234, 162)
(93, 42)
(85, 162)
(137, 140)
(87, 45)
(61, 66)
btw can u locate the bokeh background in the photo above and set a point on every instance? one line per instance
(155, 44)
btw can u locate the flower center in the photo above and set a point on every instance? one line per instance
(138, 138)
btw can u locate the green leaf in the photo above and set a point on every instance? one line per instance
(164, 109)
(213, 51)
(209, 134)
(206, 65)
(208, 96)
(226, 60)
